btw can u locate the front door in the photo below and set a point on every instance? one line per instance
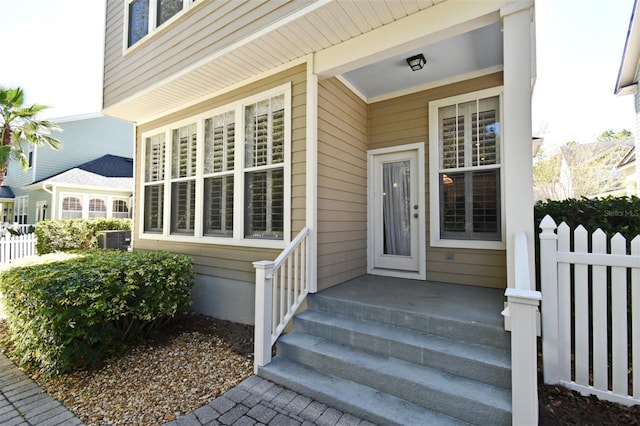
(397, 212)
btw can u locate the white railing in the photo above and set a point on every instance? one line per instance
(13, 247)
(603, 288)
(281, 286)
(522, 314)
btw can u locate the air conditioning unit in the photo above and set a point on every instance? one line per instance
(115, 240)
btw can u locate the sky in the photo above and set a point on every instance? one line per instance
(53, 49)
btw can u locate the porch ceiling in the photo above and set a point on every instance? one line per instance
(453, 52)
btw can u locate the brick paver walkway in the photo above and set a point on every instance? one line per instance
(23, 402)
(257, 401)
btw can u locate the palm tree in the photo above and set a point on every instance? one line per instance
(19, 128)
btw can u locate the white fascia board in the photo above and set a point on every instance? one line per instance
(429, 26)
(630, 55)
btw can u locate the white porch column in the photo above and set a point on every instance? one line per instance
(519, 64)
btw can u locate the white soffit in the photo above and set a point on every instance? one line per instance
(326, 26)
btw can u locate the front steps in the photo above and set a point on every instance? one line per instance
(391, 364)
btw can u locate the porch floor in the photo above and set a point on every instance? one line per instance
(449, 301)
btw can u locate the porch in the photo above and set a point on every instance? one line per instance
(400, 351)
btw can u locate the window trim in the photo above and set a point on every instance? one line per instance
(238, 238)
(153, 28)
(434, 169)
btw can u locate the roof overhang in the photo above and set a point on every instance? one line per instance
(627, 82)
(444, 28)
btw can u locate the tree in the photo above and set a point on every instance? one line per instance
(20, 128)
(610, 135)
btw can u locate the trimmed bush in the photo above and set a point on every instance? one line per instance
(70, 310)
(611, 214)
(74, 234)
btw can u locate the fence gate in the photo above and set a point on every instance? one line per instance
(590, 312)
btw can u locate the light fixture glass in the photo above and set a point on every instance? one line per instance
(417, 62)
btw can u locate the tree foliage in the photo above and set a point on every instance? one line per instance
(20, 128)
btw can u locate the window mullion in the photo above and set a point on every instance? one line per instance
(168, 149)
(199, 205)
(153, 15)
(468, 201)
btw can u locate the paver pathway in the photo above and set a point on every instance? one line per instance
(23, 402)
(256, 402)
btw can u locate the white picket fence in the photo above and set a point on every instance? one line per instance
(13, 247)
(590, 305)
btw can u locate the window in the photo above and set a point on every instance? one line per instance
(144, 16)
(97, 208)
(20, 209)
(71, 208)
(120, 208)
(465, 170)
(224, 173)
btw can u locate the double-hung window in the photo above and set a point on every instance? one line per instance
(144, 16)
(465, 145)
(222, 176)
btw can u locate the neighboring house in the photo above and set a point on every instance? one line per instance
(397, 132)
(629, 74)
(76, 180)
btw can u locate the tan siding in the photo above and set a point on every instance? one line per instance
(405, 120)
(206, 28)
(342, 184)
(230, 261)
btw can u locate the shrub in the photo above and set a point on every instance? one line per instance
(74, 234)
(70, 310)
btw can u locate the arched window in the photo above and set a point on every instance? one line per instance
(71, 208)
(97, 208)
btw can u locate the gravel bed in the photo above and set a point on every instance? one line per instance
(175, 372)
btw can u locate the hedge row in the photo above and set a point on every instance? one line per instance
(74, 234)
(611, 214)
(68, 311)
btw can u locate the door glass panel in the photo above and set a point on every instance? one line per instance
(396, 208)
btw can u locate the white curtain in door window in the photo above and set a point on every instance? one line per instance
(396, 208)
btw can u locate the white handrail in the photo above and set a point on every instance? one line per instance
(281, 287)
(522, 310)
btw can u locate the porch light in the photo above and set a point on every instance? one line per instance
(417, 62)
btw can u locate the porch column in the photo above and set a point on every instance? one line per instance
(519, 74)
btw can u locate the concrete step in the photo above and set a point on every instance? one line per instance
(468, 400)
(451, 325)
(357, 399)
(469, 360)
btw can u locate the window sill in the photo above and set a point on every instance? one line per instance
(270, 244)
(469, 244)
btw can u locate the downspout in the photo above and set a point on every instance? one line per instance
(52, 210)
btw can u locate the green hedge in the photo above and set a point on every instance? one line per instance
(74, 234)
(611, 214)
(70, 310)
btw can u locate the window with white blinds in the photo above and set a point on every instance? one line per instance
(154, 185)
(469, 194)
(264, 158)
(143, 17)
(183, 179)
(71, 208)
(224, 174)
(120, 208)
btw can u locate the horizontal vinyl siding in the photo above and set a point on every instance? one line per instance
(342, 184)
(232, 262)
(405, 120)
(206, 28)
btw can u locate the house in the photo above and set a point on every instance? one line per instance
(76, 180)
(627, 168)
(395, 135)
(629, 74)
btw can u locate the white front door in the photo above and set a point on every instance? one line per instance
(397, 212)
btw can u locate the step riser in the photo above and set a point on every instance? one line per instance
(464, 367)
(465, 331)
(397, 384)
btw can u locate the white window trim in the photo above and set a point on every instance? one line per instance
(238, 238)
(434, 168)
(153, 28)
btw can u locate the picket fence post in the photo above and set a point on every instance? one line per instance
(549, 286)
